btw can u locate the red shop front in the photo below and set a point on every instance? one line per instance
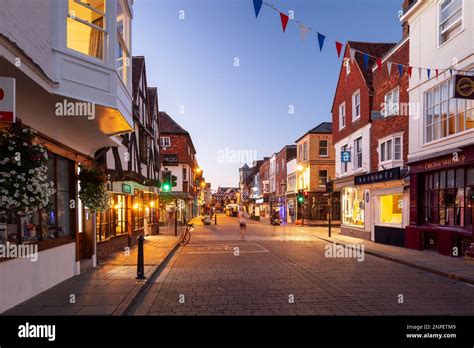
(441, 203)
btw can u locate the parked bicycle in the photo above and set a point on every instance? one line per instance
(186, 236)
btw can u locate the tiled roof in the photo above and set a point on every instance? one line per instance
(377, 49)
(322, 128)
(138, 62)
(168, 125)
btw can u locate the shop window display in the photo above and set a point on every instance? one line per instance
(353, 207)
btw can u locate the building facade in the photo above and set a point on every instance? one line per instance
(351, 115)
(286, 154)
(315, 166)
(56, 58)
(441, 128)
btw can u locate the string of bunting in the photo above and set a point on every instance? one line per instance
(304, 30)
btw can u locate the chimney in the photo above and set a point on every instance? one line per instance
(405, 7)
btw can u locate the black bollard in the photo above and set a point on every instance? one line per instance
(215, 219)
(140, 262)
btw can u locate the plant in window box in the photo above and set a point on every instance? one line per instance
(93, 192)
(24, 171)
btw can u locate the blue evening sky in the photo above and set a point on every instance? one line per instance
(244, 110)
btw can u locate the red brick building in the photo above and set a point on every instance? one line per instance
(351, 132)
(287, 153)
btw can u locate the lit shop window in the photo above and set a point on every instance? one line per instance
(86, 27)
(391, 209)
(353, 206)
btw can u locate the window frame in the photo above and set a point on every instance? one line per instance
(162, 142)
(326, 147)
(355, 116)
(342, 115)
(393, 108)
(459, 21)
(357, 154)
(326, 177)
(384, 141)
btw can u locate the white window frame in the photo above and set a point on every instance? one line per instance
(342, 115)
(454, 24)
(165, 141)
(385, 140)
(123, 43)
(356, 154)
(355, 116)
(392, 108)
(344, 165)
(327, 147)
(319, 177)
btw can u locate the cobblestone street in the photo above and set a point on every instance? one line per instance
(283, 270)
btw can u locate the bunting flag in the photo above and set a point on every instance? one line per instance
(352, 53)
(321, 38)
(379, 63)
(284, 20)
(303, 31)
(338, 49)
(257, 5)
(366, 60)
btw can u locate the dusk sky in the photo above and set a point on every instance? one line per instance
(245, 110)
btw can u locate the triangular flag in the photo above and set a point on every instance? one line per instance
(338, 49)
(409, 71)
(321, 38)
(257, 5)
(428, 71)
(366, 60)
(284, 20)
(303, 31)
(352, 53)
(419, 73)
(436, 73)
(389, 67)
(379, 63)
(451, 72)
(400, 69)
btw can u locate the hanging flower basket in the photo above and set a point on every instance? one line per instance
(23, 171)
(93, 189)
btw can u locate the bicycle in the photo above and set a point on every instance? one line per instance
(186, 236)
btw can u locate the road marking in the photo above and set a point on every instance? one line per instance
(223, 249)
(298, 229)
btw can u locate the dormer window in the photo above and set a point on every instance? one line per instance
(86, 27)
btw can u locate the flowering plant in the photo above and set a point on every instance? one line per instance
(93, 192)
(23, 171)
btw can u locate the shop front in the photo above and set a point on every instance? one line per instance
(355, 208)
(441, 210)
(262, 207)
(291, 208)
(279, 204)
(388, 194)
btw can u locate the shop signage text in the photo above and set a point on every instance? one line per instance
(7, 99)
(126, 188)
(381, 176)
(447, 162)
(261, 200)
(170, 160)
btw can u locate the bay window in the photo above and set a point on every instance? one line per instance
(86, 27)
(390, 149)
(444, 114)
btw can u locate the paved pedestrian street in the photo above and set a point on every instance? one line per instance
(283, 270)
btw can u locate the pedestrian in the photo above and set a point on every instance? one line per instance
(243, 216)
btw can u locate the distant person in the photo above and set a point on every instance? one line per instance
(243, 216)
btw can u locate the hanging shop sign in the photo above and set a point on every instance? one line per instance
(7, 99)
(126, 188)
(381, 176)
(464, 87)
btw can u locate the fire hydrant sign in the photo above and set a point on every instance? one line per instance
(7, 99)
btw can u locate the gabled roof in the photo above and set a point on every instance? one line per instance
(322, 128)
(152, 97)
(168, 125)
(377, 49)
(138, 63)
